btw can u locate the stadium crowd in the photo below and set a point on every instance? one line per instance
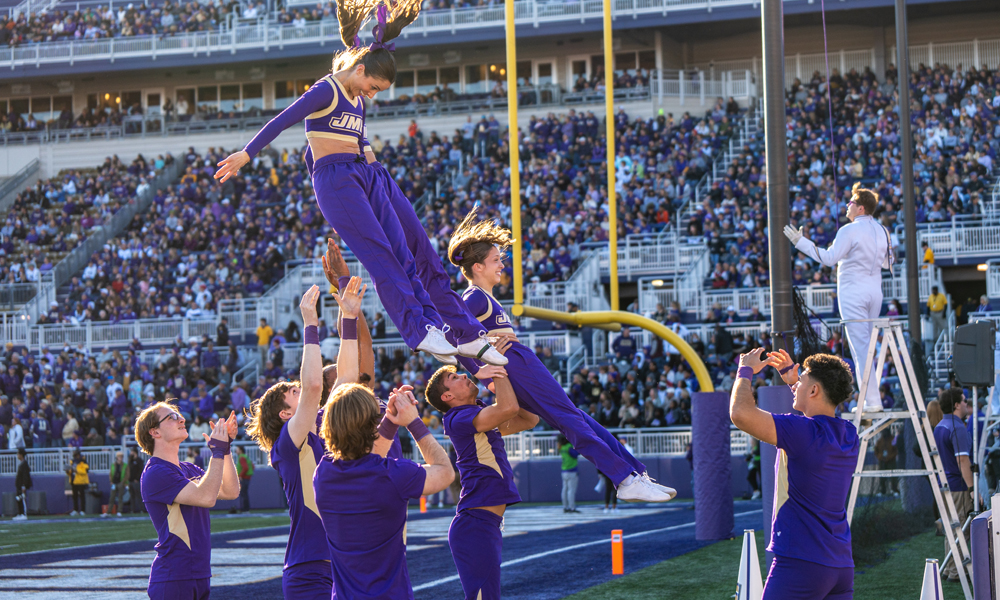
(956, 119)
(51, 218)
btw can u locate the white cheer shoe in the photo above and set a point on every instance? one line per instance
(638, 489)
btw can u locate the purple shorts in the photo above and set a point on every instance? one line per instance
(476, 544)
(311, 580)
(184, 589)
(794, 579)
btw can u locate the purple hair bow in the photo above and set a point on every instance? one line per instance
(382, 16)
(458, 256)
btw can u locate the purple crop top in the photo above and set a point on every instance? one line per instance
(328, 113)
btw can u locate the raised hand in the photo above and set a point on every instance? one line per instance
(753, 359)
(334, 265)
(781, 360)
(220, 431)
(308, 307)
(490, 372)
(793, 234)
(231, 165)
(404, 408)
(349, 299)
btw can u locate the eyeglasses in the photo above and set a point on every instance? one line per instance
(173, 416)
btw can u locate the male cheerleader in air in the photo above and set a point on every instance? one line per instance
(283, 423)
(476, 431)
(476, 248)
(177, 497)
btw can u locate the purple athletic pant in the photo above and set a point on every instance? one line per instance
(794, 579)
(449, 304)
(308, 581)
(185, 589)
(476, 545)
(355, 205)
(538, 392)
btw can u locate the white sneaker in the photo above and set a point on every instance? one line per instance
(105, 515)
(755, 495)
(435, 343)
(21, 518)
(606, 510)
(615, 509)
(637, 489)
(445, 359)
(118, 514)
(664, 488)
(481, 349)
(72, 514)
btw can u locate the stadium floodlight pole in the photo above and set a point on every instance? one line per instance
(515, 153)
(609, 107)
(776, 149)
(906, 141)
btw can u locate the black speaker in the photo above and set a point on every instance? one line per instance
(973, 353)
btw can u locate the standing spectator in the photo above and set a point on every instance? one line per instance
(244, 467)
(955, 447)
(22, 483)
(264, 335)
(15, 436)
(198, 428)
(610, 494)
(936, 305)
(928, 253)
(570, 476)
(79, 473)
(753, 468)
(70, 429)
(119, 476)
(135, 466)
(885, 451)
(222, 333)
(378, 327)
(624, 349)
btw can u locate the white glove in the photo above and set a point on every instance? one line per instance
(793, 234)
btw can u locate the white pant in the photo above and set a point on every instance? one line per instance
(861, 300)
(570, 479)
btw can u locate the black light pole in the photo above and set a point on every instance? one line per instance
(906, 140)
(780, 258)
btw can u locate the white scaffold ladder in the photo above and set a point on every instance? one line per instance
(870, 424)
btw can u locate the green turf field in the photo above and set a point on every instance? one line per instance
(66, 532)
(711, 573)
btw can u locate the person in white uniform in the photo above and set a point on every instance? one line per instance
(861, 250)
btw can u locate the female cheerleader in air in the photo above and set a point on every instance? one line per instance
(352, 190)
(476, 248)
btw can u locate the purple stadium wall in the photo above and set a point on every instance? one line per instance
(773, 399)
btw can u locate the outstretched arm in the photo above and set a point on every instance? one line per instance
(311, 373)
(829, 256)
(349, 300)
(743, 410)
(205, 492)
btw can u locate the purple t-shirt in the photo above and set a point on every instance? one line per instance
(184, 547)
(816, 461)
(953, 440)
(363, 506)
(296, 466)
(487, 479)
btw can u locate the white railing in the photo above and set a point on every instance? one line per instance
(692, 297)
(269, 35)
(527, 445)
(961, 241)
(649, 254)
(975, 53)
(993, 278)
(583, 288)
(152, 332)
(686, 85)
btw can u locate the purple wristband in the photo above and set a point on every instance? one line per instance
(311, 335)
(343, 281)
(785, 370)
(349, 329)
(219, 448)
(418, 430)
(745, 373)
(387, 428)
